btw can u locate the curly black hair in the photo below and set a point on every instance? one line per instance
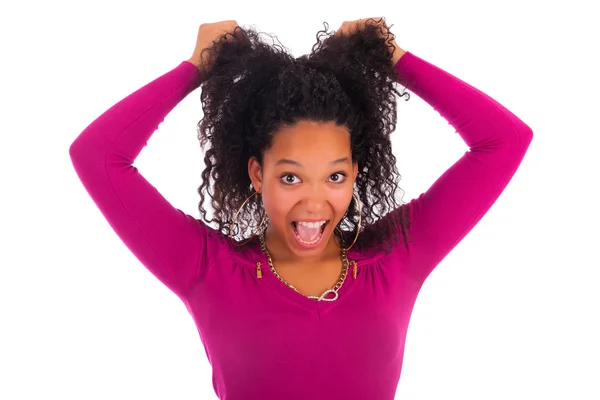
(254, 88)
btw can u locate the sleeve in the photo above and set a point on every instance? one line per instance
(172, 245)
(444, 214)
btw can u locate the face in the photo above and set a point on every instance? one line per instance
(307, 176)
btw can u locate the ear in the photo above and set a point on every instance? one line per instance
(255, 173)
(355, 170)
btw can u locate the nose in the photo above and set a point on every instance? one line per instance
(315, 200)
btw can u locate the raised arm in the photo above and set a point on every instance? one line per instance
(172, 245)
(498, 140)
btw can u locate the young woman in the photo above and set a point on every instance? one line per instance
(305, 286)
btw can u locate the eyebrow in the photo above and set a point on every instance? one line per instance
(296, 163)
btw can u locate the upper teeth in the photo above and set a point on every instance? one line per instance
(311, 224)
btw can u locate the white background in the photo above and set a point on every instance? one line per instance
(511, 313)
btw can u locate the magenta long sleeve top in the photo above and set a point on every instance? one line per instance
(264, 340)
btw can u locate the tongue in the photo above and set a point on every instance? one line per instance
(308, 234)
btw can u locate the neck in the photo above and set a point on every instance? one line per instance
(281, 253)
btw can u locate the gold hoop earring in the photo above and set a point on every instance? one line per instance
(358, 227)
(235, 219)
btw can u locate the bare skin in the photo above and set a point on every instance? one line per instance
(315, 183)
(318, 187)
(311, 280)
(315, 189)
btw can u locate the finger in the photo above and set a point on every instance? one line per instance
(375, 21)
(351, 26)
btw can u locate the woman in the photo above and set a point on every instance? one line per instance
(305, 288)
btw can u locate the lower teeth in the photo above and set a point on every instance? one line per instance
(314, 241)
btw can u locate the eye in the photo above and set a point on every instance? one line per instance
(287, 179)
(337, 174)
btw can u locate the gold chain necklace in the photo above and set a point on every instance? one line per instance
(334, 290)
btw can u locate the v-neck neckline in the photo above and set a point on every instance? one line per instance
(290, 294)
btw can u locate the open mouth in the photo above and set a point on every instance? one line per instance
(311, 234)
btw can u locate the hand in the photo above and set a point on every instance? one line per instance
(207, 34)
(349, 27)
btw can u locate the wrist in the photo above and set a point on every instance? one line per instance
(194, 61)
(398, 53)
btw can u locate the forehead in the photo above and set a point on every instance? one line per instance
(317, 141)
